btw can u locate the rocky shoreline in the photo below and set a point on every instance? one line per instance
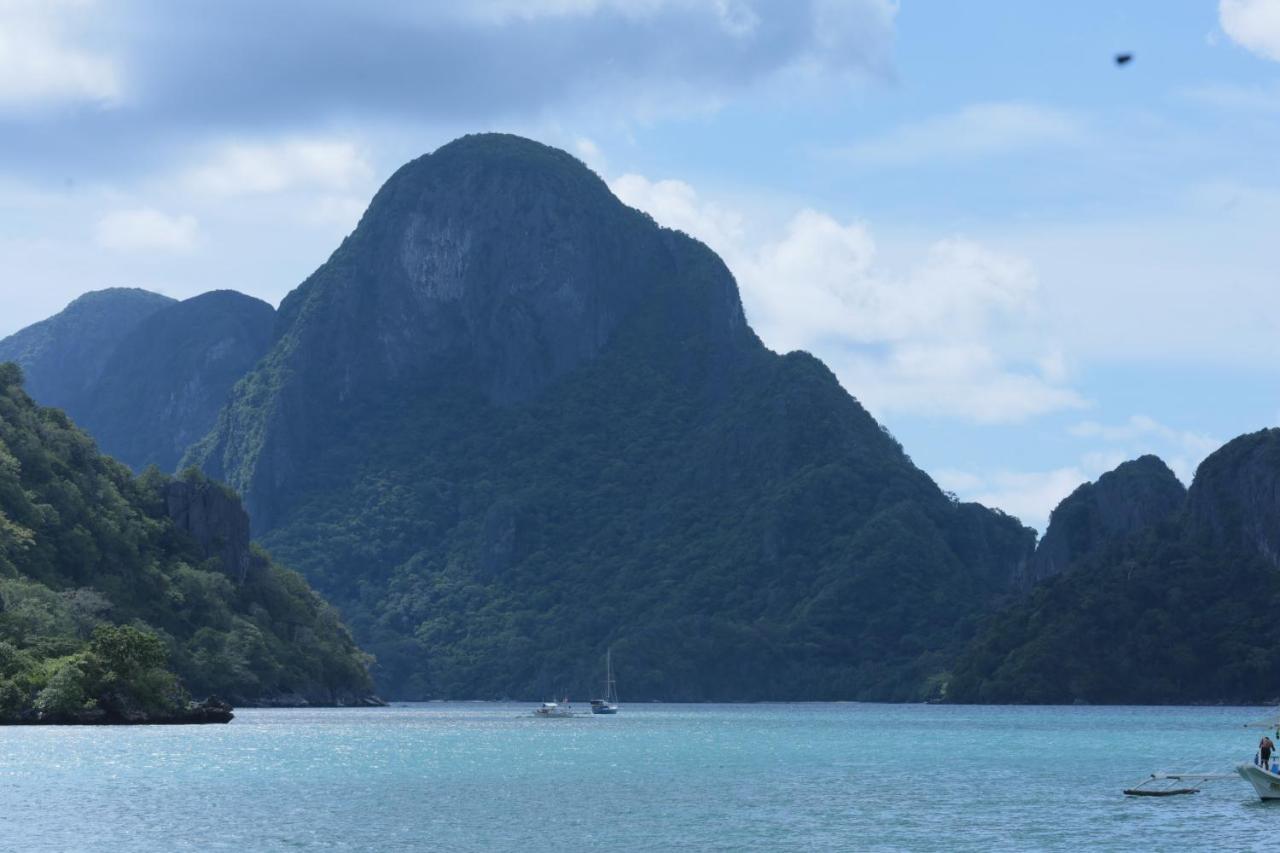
(211, 710)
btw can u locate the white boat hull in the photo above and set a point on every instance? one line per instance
(1267, 784)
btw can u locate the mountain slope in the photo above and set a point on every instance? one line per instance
(84, 546)
(146, 376)
(64, 355)
(512, 422)
(164, 383)
(1180, 611)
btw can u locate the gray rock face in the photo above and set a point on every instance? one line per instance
(1236, 494)
(63, 356)
(1137, 494)
(216, 520)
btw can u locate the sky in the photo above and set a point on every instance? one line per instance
(1028, 262)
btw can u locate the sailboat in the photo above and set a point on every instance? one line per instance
(609, 704)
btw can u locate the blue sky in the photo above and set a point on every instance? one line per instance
(1029, 263)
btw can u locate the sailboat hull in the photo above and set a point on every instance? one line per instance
(604, 710)
(1266, 784)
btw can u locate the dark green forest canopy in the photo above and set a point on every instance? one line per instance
(87, 549)
(513, 422)
(1181, 610)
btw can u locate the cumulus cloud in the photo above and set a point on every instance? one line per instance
(925, 339)
(1253, 24)
(145, 229)
(247, 168)
(1182, 450)
(43, 58)
(1032, 495)
(977, 130)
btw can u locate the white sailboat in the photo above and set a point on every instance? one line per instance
(609, 704)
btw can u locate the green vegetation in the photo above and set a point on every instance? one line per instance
(512, 422)
(1164, 618)
(106, 604)
(1180, 610)
(773, 543)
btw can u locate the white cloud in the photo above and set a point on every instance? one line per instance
(244, 168)
(1141, 427)
(145, 229)
(735, 17)
(927, 339)
(41, 60)
(977, 130)
(1253, 24)
(1032, 495)
(1182, 450)
(1261, 98)
(1029, 496)
(589, 152)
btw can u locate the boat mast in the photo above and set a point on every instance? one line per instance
(610, 686)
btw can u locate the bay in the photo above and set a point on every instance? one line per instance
(489, 776)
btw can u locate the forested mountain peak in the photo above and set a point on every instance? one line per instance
(1135, 495)
(1236, 494)
(512, 420)
(64, 355)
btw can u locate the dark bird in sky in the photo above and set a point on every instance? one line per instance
(1124, 58)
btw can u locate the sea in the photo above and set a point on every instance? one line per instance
(769, 777)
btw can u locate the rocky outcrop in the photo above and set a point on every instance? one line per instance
(1136, 495)
(1236, 495)
(216, 520)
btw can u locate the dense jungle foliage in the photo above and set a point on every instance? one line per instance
(102, 596)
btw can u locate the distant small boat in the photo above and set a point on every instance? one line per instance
(609, 704)
(554, 710)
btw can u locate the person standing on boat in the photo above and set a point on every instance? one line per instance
(1265, 747)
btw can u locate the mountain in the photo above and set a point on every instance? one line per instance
(164, 384)
(1135, 496)
(64, 355)
(512, 422)
(118, 594)
(153, 386)
(1179, 611)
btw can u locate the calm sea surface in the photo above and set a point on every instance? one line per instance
(481, 776)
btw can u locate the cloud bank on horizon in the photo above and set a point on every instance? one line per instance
(1023, 261)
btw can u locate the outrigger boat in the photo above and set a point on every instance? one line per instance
(554, 710)
(1265, 780)
(1172, 784)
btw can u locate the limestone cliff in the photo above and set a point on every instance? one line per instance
(214, 517)
(1236, 495)
(1137, 495)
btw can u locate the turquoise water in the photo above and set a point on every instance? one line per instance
(479, 776)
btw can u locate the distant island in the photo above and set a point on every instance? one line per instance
(512, 423)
